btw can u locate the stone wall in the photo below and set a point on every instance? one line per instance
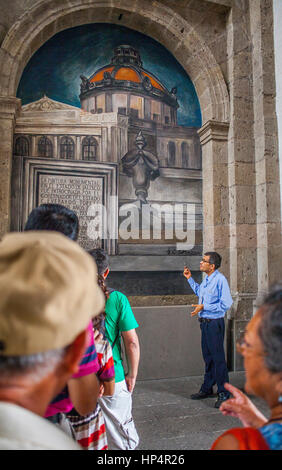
(171, 335)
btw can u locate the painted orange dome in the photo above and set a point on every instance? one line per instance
(98, 76)
(126, 73)
(154, 82)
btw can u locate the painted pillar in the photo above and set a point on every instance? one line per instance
(9, 109)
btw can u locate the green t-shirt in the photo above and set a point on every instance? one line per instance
(119, 317)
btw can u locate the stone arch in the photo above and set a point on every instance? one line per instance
(47, 18)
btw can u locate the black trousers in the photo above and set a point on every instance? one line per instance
(214, 356)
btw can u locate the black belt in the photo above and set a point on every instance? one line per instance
(206, 320)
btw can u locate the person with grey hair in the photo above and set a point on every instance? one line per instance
(82, 390)
(45, 279)
(261, 348)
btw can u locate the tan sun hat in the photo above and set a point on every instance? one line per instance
(48, 292)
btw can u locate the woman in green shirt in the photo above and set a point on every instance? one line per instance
(119, 321)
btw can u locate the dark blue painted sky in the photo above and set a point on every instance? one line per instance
(56, 67)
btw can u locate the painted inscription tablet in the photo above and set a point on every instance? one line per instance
(77, 193)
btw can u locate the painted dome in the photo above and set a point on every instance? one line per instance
(126, 72)
(126, 65)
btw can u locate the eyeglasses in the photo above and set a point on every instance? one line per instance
(244, 347)
(204, 261)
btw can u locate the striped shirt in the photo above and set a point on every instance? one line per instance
(105, 357)
(90, 430)
(88, 365)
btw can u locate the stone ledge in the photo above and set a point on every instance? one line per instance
(162, 300)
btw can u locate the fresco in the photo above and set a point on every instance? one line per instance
(105, 94)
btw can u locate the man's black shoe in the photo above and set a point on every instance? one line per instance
(200, 395)
(220, 399)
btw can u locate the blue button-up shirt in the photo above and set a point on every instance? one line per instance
(214, 294)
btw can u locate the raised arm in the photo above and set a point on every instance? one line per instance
(194, 285)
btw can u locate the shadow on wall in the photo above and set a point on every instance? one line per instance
(136, 283)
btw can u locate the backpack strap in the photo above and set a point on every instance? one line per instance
(115, 340)
(110, 290)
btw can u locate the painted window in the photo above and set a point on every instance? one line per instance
(22, 146)
(67, 148)
(155, 110)
(101, 104)
(185, 154)
(167, 116)
(119, 101)
(171, 154)
(137, 106)
(45, 147)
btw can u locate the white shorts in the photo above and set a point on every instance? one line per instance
(117, 411)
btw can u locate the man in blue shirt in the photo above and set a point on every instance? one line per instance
(214, 300)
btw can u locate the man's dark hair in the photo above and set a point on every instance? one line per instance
(54, 217)
(215, 258)
(101, 258)
(270, 329)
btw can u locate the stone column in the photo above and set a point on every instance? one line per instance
(255, 240)
(213, 138)
(216, 218)
(241, 175)
(9, 108)
(268, 223)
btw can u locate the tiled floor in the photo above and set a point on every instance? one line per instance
(167, 419)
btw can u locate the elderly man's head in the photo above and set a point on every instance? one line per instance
(49, 293)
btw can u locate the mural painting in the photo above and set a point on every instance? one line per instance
(108, 98)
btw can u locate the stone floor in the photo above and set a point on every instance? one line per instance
(167, 419)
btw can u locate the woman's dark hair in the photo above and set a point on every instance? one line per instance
(270, 329)
(102, 261)
(54, 217)
(214, 258)
(101, 258)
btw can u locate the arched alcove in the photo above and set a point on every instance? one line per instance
(180, 38)
(164, 25)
